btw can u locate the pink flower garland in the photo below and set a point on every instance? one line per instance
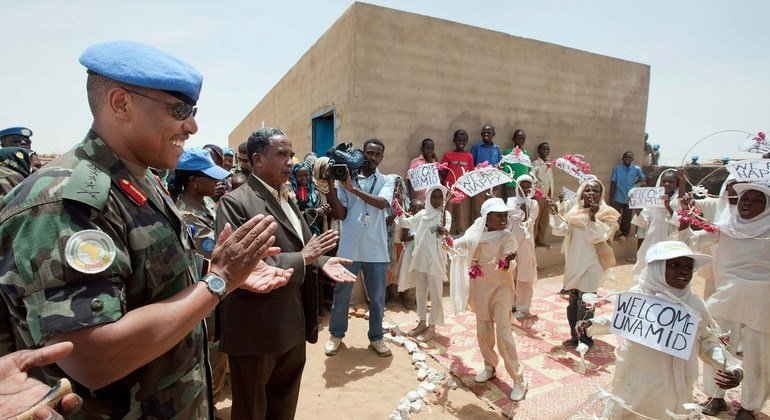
(475, 271)
(760, 137)
(449, 241)
(502, 264)
(396, 208)
(584, 167)
(692, 217)
(457, 196)
(538, 194)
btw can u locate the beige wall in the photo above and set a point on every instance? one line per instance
(402, 77)
(320, 80)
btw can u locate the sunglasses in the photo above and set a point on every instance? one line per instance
(180, 110)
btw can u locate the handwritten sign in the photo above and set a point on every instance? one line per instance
(481, 179)
(755, 144)
(642, 197)
(424, 176)
(568, 194)
(513, 158)
(655, 323)
(570, 168)
(750, 170)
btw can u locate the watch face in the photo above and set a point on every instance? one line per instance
(217, 284)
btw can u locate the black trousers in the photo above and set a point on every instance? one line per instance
(266, 386)
(577, 311)
(625, 218)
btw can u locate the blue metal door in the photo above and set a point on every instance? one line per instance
(323, 133)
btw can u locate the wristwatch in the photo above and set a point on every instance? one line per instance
(216, 285)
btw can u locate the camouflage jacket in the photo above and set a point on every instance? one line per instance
(90, 188)
(201, 220)
(8, 179)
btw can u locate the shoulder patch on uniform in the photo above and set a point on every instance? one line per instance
(88, 184)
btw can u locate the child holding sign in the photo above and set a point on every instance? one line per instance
(739, 303)
(659, 223)
(427, 155)
(427, 265)
(489, 260)
(522, 224)
(651, 382)
(586, 228)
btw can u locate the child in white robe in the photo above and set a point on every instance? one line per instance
(659, 223)
(739, 304)
(488, 249)
(586, 227)
(650, 381)
(427, 265)
(522, 225)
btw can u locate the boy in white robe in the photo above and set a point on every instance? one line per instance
(482, 278)
(649, 381)
(427, 265)
(660, 223)
(522, 225)
(739, 304)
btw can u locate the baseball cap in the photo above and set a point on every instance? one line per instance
(200, 160)
(666, 250)
(494, 205)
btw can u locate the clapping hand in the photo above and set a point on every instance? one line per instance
(334, 268)
(265, 278)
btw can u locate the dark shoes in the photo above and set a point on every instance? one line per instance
(744, 414)
(572, 342)
(714, 406)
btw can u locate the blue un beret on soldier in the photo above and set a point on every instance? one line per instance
(142, 65)
(16, 131)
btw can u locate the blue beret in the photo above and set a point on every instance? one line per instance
(142, 65)
(16, 131)
(228, 151)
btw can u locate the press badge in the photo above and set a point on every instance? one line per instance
(364, 219)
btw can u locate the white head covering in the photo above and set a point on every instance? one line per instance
(737, 227)
(428, 206)
(723, 207)
(674, 198)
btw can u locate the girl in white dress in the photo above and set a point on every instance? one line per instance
(522, 225)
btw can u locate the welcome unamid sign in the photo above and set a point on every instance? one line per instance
(655, 323)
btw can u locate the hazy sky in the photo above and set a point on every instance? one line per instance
(709, 60)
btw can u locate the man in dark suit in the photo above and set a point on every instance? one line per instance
(264, 334)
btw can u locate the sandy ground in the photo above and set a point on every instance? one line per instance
(356, 383)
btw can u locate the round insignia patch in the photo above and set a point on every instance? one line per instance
(26, 132)
(208, 244)
(90, 251)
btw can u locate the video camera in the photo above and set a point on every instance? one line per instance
(344, 156)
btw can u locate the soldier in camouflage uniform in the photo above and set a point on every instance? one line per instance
(14, 167)
(92, 251)
(194, 183)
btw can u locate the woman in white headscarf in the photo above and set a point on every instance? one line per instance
(660, 222)
(587, 227)
(739, 303)
(427, 267)
(482, 278)
(651, 382)
(522, 225)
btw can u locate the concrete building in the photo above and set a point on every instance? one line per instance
(402, 77)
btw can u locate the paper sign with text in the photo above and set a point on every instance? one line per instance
(570, 168)
(655, 323)
(424, 176)
(641, 197)
(568, 194)
(754, 144)
(521, 158)
(750, 170)
(481, 179)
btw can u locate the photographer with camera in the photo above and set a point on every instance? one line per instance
(360, 202)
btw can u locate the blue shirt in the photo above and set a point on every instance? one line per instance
(482, 153)
(625, 178)
(363, 234)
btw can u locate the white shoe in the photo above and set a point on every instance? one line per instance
(519, 390)
(332, 345)
(520, 315)
(380, 348)
(486, 374)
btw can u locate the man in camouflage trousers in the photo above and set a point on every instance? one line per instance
(93, 251)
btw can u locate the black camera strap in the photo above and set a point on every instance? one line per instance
(371, 190)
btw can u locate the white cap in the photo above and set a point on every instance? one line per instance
(666, 250)
(494, 205)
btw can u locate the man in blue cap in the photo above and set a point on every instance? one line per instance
(229, 156)
(16, 137)
(94, 251)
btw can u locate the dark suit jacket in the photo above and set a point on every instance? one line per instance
(264, 323)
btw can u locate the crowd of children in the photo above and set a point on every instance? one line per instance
(493, 268)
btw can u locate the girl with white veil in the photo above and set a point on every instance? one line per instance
(522, 224)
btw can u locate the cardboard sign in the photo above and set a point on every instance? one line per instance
(655, 323)
(570, 168)
(754, 144)
(750, 170)
(424, 176)
(568, 194)
(481, 179)
(521, 158)
(641, 197)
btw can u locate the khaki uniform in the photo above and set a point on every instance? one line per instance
(90, 188)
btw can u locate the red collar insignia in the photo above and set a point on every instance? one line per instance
(133, 192)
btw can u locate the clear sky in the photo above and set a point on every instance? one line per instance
(709, 59)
